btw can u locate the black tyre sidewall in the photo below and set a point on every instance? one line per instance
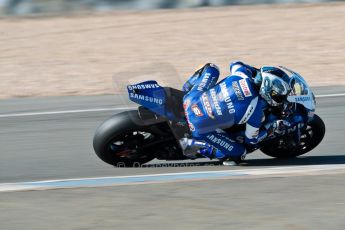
(115, 126)
(319, 130)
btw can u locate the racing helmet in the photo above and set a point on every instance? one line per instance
(275, 86)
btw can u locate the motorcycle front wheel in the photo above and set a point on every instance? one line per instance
(311, 138)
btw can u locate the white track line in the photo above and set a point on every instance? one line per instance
(285, 171)
(64, 112)
(331, 95)
(108, 109)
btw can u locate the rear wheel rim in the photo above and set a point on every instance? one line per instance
(130, 144)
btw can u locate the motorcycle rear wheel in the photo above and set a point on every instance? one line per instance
(124, 141)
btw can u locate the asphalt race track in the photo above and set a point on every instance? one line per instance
(51, 138)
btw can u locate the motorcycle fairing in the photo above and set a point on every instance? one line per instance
(301, 93)
(157, 99)
(148, 94)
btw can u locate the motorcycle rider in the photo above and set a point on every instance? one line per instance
(241, 98)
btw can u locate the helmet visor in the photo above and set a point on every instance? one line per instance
(279, 91)
(279, 98)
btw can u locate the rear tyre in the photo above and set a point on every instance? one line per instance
(121, 140)
(311, 138)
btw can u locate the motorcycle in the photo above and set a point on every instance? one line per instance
(135, 137)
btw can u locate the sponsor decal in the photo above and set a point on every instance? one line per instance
(249, 112)
(197, 111)
(227, 99)
(240, 74)
(207, 105)
(237, 90)
(220, 131)
(220, 142)
(143, 86)
(292, 129)
(203, 82)
(215, 101)
(191, 126)
(146, 98)
(245, 88)
(186, 104)
(302, 99)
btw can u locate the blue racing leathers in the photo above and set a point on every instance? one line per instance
(210, 108)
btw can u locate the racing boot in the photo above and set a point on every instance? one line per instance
(193, 148)
(190, 147)
(212, 152)
(234, 161)
(209, 152)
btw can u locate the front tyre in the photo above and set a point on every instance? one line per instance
(123, 141)
(310, 138)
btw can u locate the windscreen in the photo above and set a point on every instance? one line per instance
(301, 93)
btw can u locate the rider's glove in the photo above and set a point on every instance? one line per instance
(190, 83)
(277, 127)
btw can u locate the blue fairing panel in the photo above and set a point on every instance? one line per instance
(148, 94)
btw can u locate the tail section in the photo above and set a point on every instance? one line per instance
(148, 94)
(163, 101)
